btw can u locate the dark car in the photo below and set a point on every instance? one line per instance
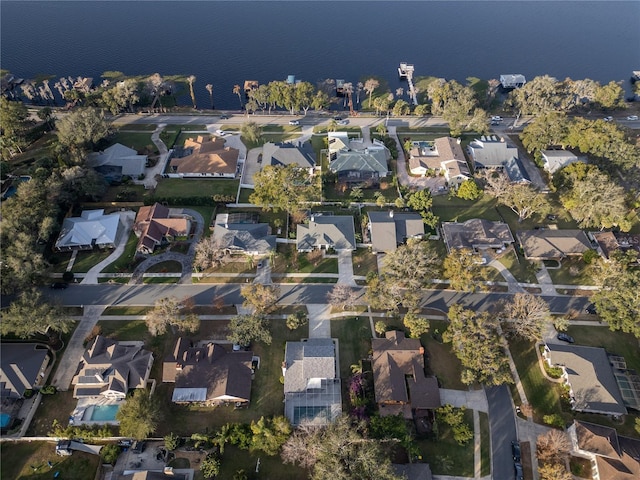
(591, 309)
(565, 338)
(138, 446)
(337, 118)
(515, 451)
(224, 117)
(59, 285)
(518, 468)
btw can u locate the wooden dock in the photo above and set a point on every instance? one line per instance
(405, 72)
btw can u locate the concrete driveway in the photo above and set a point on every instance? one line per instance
(345, 268)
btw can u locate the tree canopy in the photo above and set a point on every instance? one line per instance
(262, 298)
(283, 188)
(30, 314)
(171, 312)
(525, 315)
(464, 269)
(80, 130)
(248, 328)
(522, 198)
(139, 416)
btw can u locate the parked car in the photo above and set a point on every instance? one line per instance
(496, 118)
(632, 117)
(222, 133)
(294, 122)
(138, 446)
(518, 469)
(224, 117)
(343, 122)
(608, 119)
(515, 451)
(337, 118)
(59, 285)
(591, 309)
(565, 338)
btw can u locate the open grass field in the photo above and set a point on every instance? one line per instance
(185, 187)
(271, 468)
(30, 461)
(140, 141)
(52, 407)
(574, 271)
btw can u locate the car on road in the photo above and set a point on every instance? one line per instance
(496, 118)
(632, 117)
(343, 122)
(565, 338)
(59, 285)
(518, 469)
(294, 122)
(608, 119)
(222, 133)
(337, 118)
(224, 117)
(591, 309)
(516, 452)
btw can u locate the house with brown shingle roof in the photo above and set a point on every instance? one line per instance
(208, 373)
(476, 234)
(444, 155)
(553, 244)
(155, 226)
(206, 157)
(400, 384)
(612, 457)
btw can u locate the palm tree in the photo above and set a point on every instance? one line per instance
(209, 88)
(237, 90)
(359, 88)
(348, 89)
(399, 92)
(369, 86)
(191, 79)
(333, 125)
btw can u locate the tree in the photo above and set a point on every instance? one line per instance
(400, 108)
(80, 130)
(172, 441)
(14, 122)
(548, 129)
(210, 466)
(170, 312)
(540, 95)
(251, 131)
(464, 269)
(296, 320)
(209, 254)
(469, 190)
(454, 418)
(30, 314)
(526, 315)
(380, 327)
(209, 88)
(342, 295)
(477, 343)
(523, 199)
(248, 328)
(458, 106)
(422, 201)
(417, 325)
(553, 446)
(610, 96)
(139, 415)
(238, 91)
(554, 471)
(283, 188)
(262, 298)
(191, 79)
(618, 301)
(412, 266)
(270, 434)
(369, 86)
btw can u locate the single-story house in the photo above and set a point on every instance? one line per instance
(110, 369)
(553, 244)
(609, 242)
(209, 373)
(246, 238)
(205, 157)
(388, 230)
(127, 159)
(326, 231)
(443, 155)
(91, 229)
(312, 391)
(355, 161)
(22, 367)
(512, 80)
(155, 226)
(589, 375)
(612, 456)
(496, 153)
(284, 154)
(554, 160)
(476, 234)
(400, 384)
(374, 161)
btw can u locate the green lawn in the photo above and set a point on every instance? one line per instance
(140, 141)
(289, 260)
(244, 195)
(185, 187)
(364, 262)
(354, 344)
(169, 266)
(128, 193)
(485, 444)
(125, 262)
(617, 342)
(126, 310)
(458, 210)
(28, 460)
(573, 272)
(521, 268)
(87, 259)
(235, 459)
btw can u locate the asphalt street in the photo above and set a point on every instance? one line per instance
(502, 427)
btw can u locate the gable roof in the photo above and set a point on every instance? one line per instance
(553, 244)
(388, 230)
(289, 154)
(336, 231)
(153, 223)
(554, 160)
(209, 156)
(491, 151)
(20, 365)
(476, 233)
(207, 373)
(91, 227)
(591, 378)
(118, 155)
(244, 237)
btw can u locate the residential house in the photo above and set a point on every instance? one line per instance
(124, 160)
(612, 456)
(554, 160)
(233, 234)
(283, 154)
(609, 242)
(208, 373)
(588, 373)
(389, 230)
(110, 368)
(496, 153)
(512, 80)
(326, 231)
(156, 226)
(400, 384)
(356, 162)
(476, 234)
(552, 244)
(312, 392)
(444, 155)
(91, 229)
(205, 157)
(22, 367)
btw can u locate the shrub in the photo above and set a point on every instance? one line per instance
(172, 441)
(109, 453)
(555, 420)
(67, 276)
(48, 390)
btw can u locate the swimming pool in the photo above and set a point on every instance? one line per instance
(11, 191)
(5, 419)
(104, 413)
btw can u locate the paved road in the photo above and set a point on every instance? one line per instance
(502, 427)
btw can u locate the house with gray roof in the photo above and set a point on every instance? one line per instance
(326, 231)
(390, 229)
(554, 160)
(253, 239)
(588, 373)
(208, 373)
(312, 392)
(22, 367)
(476, 234)
(512, 80)
(361, 161)
(283, 154)
(91, 229)
(125, 158)
(496, 153)
(553, 244)
(110, 369)
(444, 155)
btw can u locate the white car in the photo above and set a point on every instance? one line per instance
(496, 118)
(343, 122)
(294, 122)
(222, 133)
(608, 119)
(632, 117)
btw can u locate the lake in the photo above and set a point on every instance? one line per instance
(225, 43)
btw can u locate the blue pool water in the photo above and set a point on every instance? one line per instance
(104, 413)
(11, 191)
(5, 418)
